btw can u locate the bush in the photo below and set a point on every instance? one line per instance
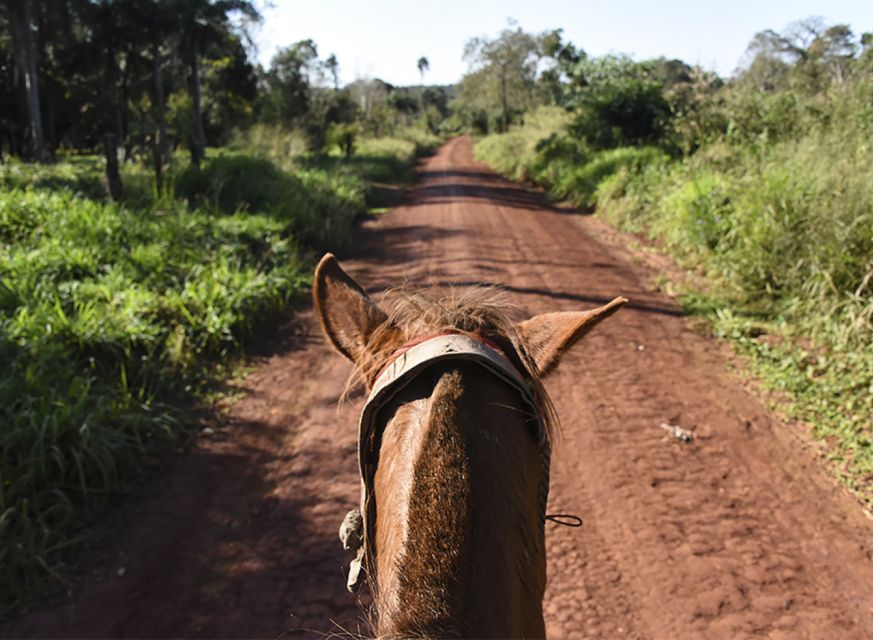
(513, 152)
(580, 183)
(314, 206)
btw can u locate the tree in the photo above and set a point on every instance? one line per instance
(808, 51)
(372, 96)
(503, 72)
(202, 22)
(618, 101)
(24, 48)
(110, 31)
(423, 65)
(230, 88)
(696, 109)
(288, 81)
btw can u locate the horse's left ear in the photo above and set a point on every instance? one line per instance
(546, 337)
(348, 316)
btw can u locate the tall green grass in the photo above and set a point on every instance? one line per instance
(107, 316)
(387, 159)
(116, 318)
(785, 234)
(513, 153)
(315, 205)
(541, 152)
(113, 316)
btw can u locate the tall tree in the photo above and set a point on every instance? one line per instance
(292, 73)
(24, 47)
(618, 101)
(814, 53)
(202, 22)
(109, 34)
(505, 68)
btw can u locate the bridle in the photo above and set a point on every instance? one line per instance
(405, 365)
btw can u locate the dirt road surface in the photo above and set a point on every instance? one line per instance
(738, 534)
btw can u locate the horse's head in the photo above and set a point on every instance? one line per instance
(453, 449)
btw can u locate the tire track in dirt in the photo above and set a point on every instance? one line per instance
(736, 535)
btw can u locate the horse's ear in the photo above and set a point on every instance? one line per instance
(546, 337)
(348, 316)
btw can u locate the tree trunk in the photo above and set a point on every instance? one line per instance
(124, 110)
(198, 137)
(25, 58)
(113, 177)
(50, 142)
(159, 145)
(503, 100)
(114, 134)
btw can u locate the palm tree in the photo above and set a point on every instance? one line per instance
(423, 65)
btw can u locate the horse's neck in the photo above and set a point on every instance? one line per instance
(459, 543)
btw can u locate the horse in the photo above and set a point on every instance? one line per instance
(454, 446)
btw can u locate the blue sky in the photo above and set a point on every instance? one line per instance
(385, 38)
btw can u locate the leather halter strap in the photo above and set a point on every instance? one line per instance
(406, 364)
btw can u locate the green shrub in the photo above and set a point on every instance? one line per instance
(580, 183)
(512, 153)
(269, 141)
(315, 206)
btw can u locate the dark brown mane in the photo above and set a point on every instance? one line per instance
(483, 311)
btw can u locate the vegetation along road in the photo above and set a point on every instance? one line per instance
(737, 533)
(174, 457)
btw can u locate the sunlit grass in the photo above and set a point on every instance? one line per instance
(117, 319)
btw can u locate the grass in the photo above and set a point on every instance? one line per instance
(513, 153)
(828, 387)
(382, 165)
(109, 317)
(115, 319)
(785, 238)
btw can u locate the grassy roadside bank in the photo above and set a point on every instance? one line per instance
(117, 320)
(781, 233)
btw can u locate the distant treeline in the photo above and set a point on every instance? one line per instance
(617, 101)
(147, 77)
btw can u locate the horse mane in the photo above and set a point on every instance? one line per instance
(483, 311)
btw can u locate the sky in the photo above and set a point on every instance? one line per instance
(385, 38)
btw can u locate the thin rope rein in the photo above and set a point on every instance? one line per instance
(565, 519)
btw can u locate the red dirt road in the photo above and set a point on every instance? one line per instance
(736, 535)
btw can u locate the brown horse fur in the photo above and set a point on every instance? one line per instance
(459, 548)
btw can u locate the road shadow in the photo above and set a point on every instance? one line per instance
(240, 553)
(444, 187)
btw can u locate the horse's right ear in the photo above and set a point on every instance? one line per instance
(548, 336)
(347, 314)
